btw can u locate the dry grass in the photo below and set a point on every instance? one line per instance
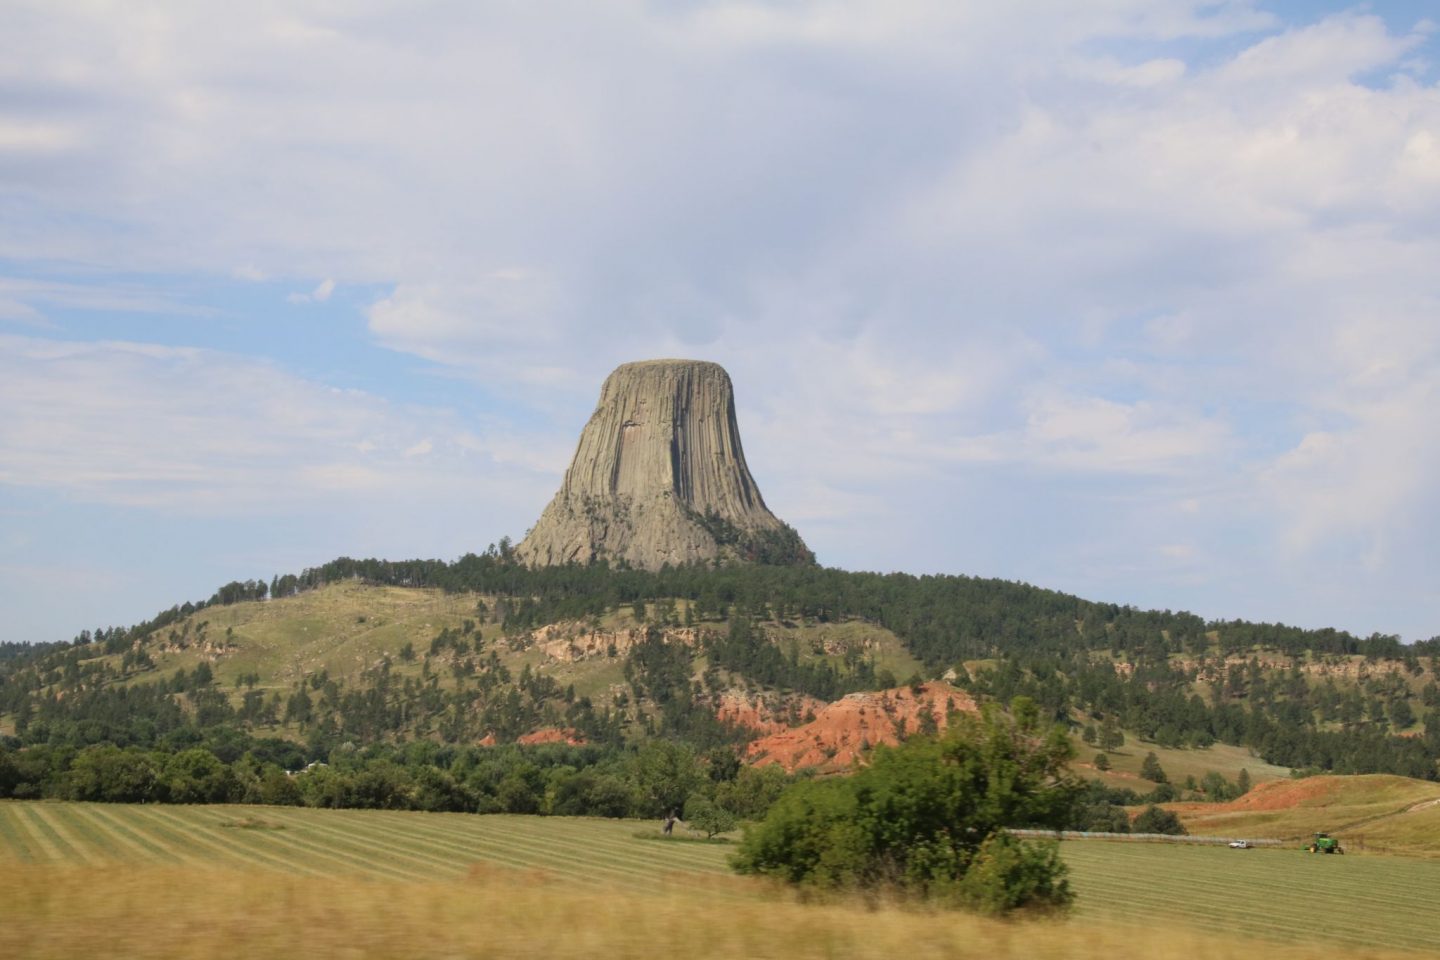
(1417, 831)
(1271, 894)
(194, 912)
(1178, 764)
(1373, 807)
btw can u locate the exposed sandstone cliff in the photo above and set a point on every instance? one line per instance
(845, 730)
(573, 641)
(659, 477)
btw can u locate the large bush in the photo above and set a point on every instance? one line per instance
(928, 818)
(1156, 820)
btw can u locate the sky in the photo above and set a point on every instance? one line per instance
(1135, 299)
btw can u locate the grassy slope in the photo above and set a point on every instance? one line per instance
(1177, 764)
(1416, 830)
(1375, 811)
(887, 649)
(345, 628)
(1380, 901)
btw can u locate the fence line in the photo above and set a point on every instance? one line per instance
(1144, 837)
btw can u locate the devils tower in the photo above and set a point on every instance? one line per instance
(659, 477)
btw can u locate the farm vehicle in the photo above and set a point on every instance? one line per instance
(1324, 843)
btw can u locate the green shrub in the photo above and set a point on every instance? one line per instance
(1009, 874)
(922, 816)
(1156, 820)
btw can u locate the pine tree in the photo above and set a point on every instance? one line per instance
(1110, 736)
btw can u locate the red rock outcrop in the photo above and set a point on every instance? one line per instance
(845, 730)
(551, 735)
(765, 713)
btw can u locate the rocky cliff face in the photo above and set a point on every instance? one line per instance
(660, 477)
(847, 729)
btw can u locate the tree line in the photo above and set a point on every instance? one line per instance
(646, 781)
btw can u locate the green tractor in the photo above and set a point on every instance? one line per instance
(1324, 843)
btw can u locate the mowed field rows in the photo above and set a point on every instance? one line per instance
(1275, 894)
(375, 843)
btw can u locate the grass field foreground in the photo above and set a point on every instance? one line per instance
(187, 913)
(68, 868)
(1276, 894)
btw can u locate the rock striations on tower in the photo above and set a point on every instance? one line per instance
(659, 477)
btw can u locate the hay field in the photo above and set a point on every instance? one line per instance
(170, 881)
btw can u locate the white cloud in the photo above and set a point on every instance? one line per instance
(28, 296)
(1366, 483)
(153, 426)
(249, 272)
(510, 305)
(1097, 434)
(1150, 73)
(32, 138)
(21, 312)
(320, 294)
(930, 240)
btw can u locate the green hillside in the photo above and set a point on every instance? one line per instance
(345, 630)
(1179, 764)
(257, 655)
(376, 667)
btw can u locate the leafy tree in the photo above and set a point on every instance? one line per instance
(276, 788)
(9, 774)
(708, 817)
(1155, 820)
(1103, 818)
(1219, 789)
(1163, 793)
(521, 791)
(197, 776)
(665, 775)
(105, 772)
(591, 793)
(753, 791)
(921, 815)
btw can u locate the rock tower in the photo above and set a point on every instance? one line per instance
(659, 477)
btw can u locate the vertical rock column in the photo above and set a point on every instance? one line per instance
(659, 477)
